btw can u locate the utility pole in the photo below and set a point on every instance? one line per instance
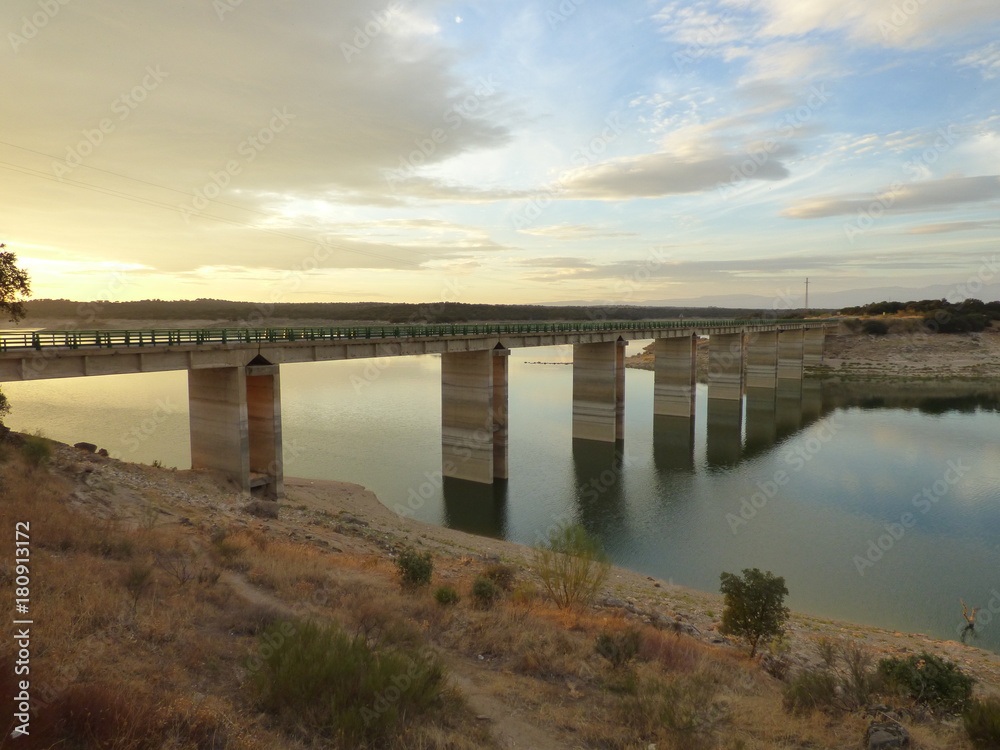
(807, 295)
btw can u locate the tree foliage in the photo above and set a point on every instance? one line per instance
(14, 286)
(754, 606)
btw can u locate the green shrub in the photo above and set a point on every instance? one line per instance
(316, 679)
(982, 722)
(446, 595)
(37, 450)
(618, 648)
(685, 706)
(809, 690)
(754, 606)
(572, 565)
(415, 568)
(928, 679)
(485, 592)
(502, 575)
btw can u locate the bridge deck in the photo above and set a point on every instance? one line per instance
(59, 354)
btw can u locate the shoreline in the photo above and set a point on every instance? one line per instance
(695, 612)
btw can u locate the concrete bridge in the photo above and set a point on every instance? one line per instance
(235, 396)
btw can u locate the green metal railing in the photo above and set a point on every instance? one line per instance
(198, 336)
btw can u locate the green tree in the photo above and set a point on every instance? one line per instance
(572, 565)
(754, 606)
(14, 286)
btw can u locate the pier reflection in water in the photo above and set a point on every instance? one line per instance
(663, 500)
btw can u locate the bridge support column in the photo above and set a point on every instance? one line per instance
(235, 421)
(599, 391)
(790, 347)
(474, 415)
(674, 376)
(264, 426)
(813, 345)
(725, 366)
(762, 360)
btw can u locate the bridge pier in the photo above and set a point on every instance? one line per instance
(813, 346)
(790, 349)
(599, 391)
(235, 422)
(674, 362)
(762, 360)
(474, 415)
(725, 366)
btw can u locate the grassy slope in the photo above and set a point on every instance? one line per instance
(150, 589)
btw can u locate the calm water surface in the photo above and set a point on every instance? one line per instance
(876, 506)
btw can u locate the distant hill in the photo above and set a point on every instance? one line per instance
(226, 312)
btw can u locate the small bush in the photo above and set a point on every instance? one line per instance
(446, 595)
(318, 680)
(618, 648)
(572, 566)
(502, 575)
(37, 450)
(928, 679)
(873, 327)
(485, 592)
(415, 568)
(982, 722)
(811, 690)
(685, 706)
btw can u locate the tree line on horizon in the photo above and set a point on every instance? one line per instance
(940, 315)
(396, 313)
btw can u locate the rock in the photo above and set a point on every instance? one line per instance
(611, 601)
(883, 735)
(262, 508)
(103, 452)
(88, 447)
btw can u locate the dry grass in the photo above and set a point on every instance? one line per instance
(126, 660)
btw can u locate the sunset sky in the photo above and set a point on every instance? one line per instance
(516, 151)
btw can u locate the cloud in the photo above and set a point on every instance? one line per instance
(932, 195)
(986, 59)
(572, 232)
(954, 226)
(887, 23)
(660, 174)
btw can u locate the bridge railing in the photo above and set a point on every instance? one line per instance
(187, 336)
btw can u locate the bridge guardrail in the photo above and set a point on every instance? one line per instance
(39, 340)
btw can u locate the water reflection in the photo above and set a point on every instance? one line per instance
(476, 508)
(762, 426)
(934, 398)
(673, 443)
(598, 471)
(724, 426)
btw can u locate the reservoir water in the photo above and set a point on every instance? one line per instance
(878, 504)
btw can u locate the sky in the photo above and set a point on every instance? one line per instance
(524, 151)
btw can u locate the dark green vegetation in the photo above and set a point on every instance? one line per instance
(982, 722)
(928, 679)
(14, 286)
(938, 315)
(256, 314)
(318, 680)
(754, 606)
(414, 568)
